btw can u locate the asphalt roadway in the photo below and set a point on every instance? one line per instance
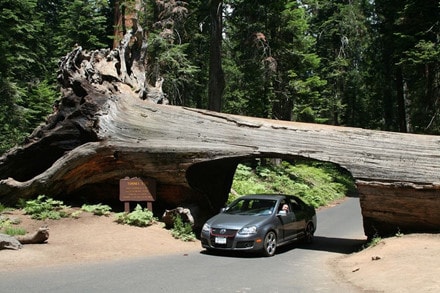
(294, 268)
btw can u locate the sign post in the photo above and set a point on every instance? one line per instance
(136, 189)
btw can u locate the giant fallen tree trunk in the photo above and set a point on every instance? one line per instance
(108, 126)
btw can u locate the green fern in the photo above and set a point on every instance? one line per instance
(138, 217)
(97, 209)
(181, 230)
(45, 208)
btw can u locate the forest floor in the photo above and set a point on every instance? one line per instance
(410, 263)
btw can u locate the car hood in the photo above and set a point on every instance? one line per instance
(235, 221)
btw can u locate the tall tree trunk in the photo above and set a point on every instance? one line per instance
(401, 110)
(216, 76)
(388, 100)
(118, 28)
(125, 16)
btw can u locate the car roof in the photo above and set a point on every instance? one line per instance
(266, 196)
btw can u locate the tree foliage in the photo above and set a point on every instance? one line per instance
(371, 64)
(21, 55)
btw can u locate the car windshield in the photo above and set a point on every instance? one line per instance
(249, 206)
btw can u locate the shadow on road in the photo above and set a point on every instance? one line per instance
(320, 243)
(336, 245)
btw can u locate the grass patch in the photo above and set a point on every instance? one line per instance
(7, 225)
(12, 231)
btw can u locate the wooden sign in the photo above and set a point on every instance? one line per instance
(137, 189)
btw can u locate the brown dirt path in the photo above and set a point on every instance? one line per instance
(89, 239)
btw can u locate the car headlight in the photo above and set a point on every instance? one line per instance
(206, 228)
(248, 230)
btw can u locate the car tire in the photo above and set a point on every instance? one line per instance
(270, 244)
(308, 233)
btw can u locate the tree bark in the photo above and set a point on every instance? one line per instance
(103, 130)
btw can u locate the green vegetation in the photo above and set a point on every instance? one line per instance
(181, 230)
(373, 242)
(76, 214)
(139, 217)
(6, 224)
(97, 209)
(46, 208)
(12, 231)
(316, 182)
(4, 208)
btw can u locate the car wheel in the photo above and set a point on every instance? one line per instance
(308, 237)
(270, 243)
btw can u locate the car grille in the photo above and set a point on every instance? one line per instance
(229, 234)
(223, 232)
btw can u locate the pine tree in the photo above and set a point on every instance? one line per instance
(272, 71)
(82, 23)
(168, 53)
(21, 52)
(343, 40)
(418, 32)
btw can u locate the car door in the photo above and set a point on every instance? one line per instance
(300, 218)
(287, 221)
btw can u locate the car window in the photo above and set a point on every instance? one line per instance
(284, 206)
(295, 205)
(251, 207)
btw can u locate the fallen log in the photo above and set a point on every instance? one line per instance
(106, 128)
(399, 207)
(9, 242)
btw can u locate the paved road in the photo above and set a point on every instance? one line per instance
(296, 268)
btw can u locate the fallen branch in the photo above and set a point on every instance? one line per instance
(40, 236)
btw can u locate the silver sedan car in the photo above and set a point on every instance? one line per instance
(260, 223)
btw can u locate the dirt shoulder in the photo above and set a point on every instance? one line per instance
(410, 263)
(90, 239)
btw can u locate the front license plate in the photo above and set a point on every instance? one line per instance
(220, 240)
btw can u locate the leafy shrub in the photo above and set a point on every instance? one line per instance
(45, 208)
(138, 217)
(181, 230)
(97, 209)
(316, 182)
(246, 182)
(76, 214)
